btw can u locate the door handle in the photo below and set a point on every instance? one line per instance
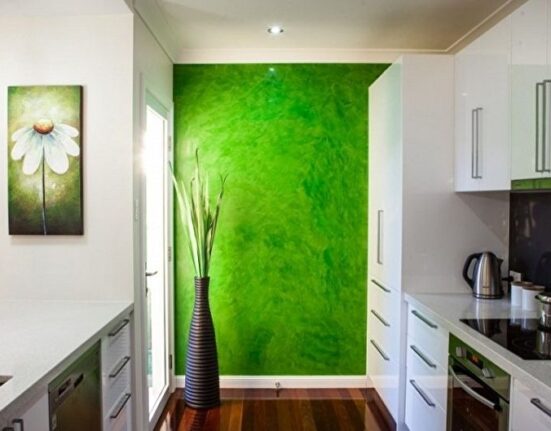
(473, 147)
(471, 392)
(540, 123)
(380, 215)
(421, 392)
(380, 350)
(542, 407)
(380, 318)
(477, 112)
(151, 274)
(422, 356)
(380, 286)
(546, 134)
(424, 319)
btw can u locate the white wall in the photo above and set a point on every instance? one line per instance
(96, 52)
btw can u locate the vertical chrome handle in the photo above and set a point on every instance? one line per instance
(540, 128)
(478, 140)
(542, 407)
(380, 214)
(473, 138)
(546, 118)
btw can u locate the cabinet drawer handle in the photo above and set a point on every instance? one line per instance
(380, 286)
(116, 413)
(119, 367)
(473, 138)
(381, 352)
(422, 356)
(119, 328)
(380, 220)
(424, 319)
(537, 402)
(422, 393)
(540, 123)
(477, 112)
(379, 317)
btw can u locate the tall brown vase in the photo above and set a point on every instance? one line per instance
(202, 388)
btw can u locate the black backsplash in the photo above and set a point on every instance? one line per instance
(530, 236)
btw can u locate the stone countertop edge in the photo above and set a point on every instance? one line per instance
(11, 405)
(535, 374)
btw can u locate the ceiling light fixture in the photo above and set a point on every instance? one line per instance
(275, 29)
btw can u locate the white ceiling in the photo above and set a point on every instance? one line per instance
(62, 7)
(324, 24)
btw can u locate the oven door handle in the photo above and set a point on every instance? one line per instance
(473, 393)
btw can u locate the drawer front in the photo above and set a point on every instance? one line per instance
(122, 412)
(422, 412)
(116, 345)
(428, 332)
(426, 370)
(383, 372)
(530, 411)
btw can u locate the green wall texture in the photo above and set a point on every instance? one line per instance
(290, 258)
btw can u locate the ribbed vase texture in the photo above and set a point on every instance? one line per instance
(202, 389)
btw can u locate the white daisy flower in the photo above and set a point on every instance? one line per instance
(45, 140)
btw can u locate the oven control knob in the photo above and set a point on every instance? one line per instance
(486, 372)
(460, 352)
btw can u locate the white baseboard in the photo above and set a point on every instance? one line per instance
(291, 382)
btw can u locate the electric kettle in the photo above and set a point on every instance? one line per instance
(485, 280)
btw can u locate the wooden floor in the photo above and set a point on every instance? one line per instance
(288, 410)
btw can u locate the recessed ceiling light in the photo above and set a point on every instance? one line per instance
(275, 29)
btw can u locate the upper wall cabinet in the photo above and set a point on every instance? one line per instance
(531, 91)
(482, 112)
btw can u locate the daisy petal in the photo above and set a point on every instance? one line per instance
(20, 132)
(66, 130)
(32, 159)
(55, 155)
(69, 145)
(23, 144)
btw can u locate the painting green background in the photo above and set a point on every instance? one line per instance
(288, 279)
(26, 105)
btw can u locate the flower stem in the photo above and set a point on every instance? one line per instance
(44, 219)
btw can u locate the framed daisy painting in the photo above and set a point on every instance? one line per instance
(45, 160)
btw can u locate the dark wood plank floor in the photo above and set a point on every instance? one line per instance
(288, 410)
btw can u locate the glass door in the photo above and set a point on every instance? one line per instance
(156, 157)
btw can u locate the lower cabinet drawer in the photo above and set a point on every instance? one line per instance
(422, 412)
(428, 372)
(425, 329)
(119, 418)
(383, 370)
(529, 410)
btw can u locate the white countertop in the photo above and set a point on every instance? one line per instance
(40, 338)
(450, 308)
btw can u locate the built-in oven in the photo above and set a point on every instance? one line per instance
(478, 391)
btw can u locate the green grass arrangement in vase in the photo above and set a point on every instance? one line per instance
(200, 219)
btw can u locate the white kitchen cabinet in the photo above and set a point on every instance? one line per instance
(482, 112)
(530, 90)
(385, 161)
(410, 158)
(529, 409)
(31, 415)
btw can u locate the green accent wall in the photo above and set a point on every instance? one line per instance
(288, 278)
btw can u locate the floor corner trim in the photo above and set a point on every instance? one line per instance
(291, 382)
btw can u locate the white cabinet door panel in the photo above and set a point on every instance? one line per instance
(529, 410)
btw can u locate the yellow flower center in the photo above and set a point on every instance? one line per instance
(43, 126)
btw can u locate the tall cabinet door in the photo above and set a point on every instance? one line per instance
(385, 173)
(482, 112)
(529, 72)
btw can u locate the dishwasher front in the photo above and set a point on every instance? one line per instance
(75, 395)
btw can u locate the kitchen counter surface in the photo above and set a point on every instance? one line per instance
(40, 338)
(450, 308)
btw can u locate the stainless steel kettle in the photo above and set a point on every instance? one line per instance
(486, 275)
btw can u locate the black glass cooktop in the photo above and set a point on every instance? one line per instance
(523, 337)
